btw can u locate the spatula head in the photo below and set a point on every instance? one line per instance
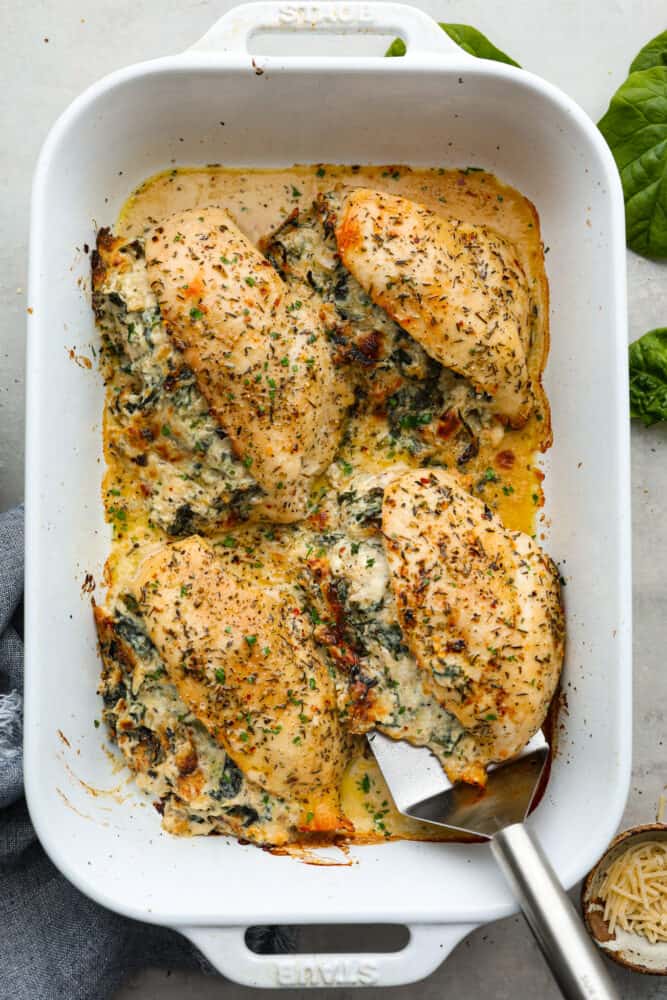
(421, 789)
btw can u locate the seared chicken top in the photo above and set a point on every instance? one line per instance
(456, 288)
(257, 350)
(480, 610)
(244, 663)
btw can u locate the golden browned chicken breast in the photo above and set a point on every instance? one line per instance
(258, 351)
(480, 610)
(456, 288)
(245, 664)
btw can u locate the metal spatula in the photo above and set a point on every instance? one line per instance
(420, 789)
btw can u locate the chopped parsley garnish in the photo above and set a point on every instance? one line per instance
(196, 313)
(250, 281)
(410, 421)
(250, 639)
(220, 675)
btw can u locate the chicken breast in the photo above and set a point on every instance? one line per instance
(480, 610)
(245, 664)
(456, 288)
(258, 351)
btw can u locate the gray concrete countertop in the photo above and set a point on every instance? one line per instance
(50, 51)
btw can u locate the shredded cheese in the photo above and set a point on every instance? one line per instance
(634, 891)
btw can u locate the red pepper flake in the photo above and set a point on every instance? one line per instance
(318, 520)
(505, 459)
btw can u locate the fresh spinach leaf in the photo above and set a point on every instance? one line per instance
(469, 39)
(653, 54)
(648, 377)
(635, 127)
(473, 41)
(397, 48)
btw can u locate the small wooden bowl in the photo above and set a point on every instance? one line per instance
(631, 950)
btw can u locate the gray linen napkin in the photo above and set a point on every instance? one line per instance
(55, 942)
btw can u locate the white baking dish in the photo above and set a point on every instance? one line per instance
(435, 106)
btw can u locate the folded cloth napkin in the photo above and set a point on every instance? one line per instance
(54, 941)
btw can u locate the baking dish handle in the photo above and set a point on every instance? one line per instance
(226, 949)
(230, 35)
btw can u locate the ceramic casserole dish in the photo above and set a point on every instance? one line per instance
(435, 106)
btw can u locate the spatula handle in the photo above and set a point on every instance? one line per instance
(575, 961)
